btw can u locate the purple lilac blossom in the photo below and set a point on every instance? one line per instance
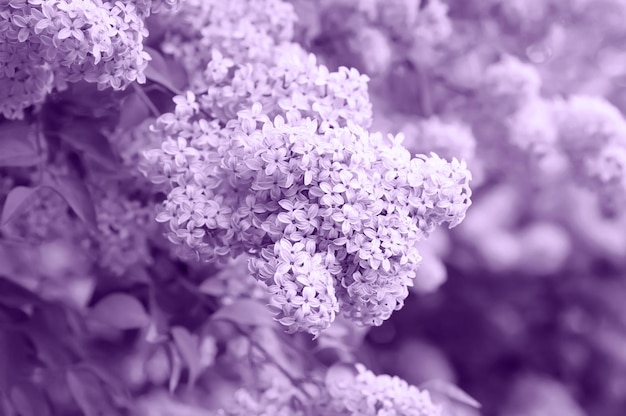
(170, 245)
(48, 43)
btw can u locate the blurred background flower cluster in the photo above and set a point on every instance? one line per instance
(235, 207)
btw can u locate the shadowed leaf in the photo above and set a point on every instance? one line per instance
(158, 71)
(28, 400)
(450, 392)
(17, 147)
(18, 201)
(245, 312)
(188, 347)
(74, 191)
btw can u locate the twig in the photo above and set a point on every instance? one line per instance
(295, 382)
(147, 101)
(177, 92)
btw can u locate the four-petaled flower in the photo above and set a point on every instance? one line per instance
(307, 300)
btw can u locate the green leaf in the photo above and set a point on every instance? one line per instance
(245, 312)
(28, 400)
(275, 343)
(75, 193)
(177, 368)
(121, 311)
(84, 137)
(189, 349)
(450, 392)
(17, 147)
(212, 286)
(134, 112)
(89, 393)
(158, 71)
(18, 201)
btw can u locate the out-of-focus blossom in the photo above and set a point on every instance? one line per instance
(369, 394)
(448, 139)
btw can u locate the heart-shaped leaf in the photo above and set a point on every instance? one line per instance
(76, 194)
(83, 137)
(28, 400)
(89, 392)
(159, 72)
(17, 147)
(245, 312)
(450, 392)
(121, 311)
(18, 201)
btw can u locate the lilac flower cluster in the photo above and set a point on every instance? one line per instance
(148, 7)
(124, 229)
(371, 395)
(395, 31)
(592, 134)
(508, 85)
(44, 44)
(360, 394)
(239, 31)
(331, 215)
(277, 399)
(292, 83)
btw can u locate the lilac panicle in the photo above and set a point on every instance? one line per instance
(271, 157)
(45, 44)
(331, 219)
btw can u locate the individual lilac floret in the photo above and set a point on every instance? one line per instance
(383, 395)
(330, 216)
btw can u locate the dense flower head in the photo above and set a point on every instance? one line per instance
(242, 31)
(125, 227)
(398, 16)
(272, 158)
(148, 7)
(592, 134)
(270, 402)
(433, 24)
(586, 124)
(379, 395)
(330, 215)
(533, 128)
(46, 44)
(509, 84)
(291, 82)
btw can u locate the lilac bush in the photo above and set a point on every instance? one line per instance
(316, 208)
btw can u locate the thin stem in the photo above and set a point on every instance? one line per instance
(144, 97)
(280, 368)
(173, 91)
